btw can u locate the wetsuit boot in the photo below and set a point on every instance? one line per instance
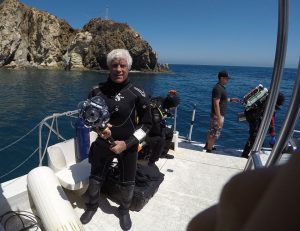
(123, 210)
(167, 144)
(249, 145)
(93, 193)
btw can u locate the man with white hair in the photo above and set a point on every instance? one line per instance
(130, 121)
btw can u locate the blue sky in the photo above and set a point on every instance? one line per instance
(213, 32)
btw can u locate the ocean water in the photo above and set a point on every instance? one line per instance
(27, 96)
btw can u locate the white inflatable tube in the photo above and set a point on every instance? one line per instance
(51, 202)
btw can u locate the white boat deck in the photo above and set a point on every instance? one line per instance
(193, 182)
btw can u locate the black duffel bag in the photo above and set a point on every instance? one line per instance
(147, 181)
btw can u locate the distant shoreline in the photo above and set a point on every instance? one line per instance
(135, 71)
(80, 69)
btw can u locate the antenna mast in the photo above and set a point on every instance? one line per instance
(106, 13)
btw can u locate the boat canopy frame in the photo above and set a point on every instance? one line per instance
(287, 130)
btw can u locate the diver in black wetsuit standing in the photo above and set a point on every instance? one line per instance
(254, 117)
(130, 121)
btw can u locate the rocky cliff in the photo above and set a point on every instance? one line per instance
(33, 38)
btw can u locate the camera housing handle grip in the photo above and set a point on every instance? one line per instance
(109, 139)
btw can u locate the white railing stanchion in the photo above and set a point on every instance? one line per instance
(189, 138)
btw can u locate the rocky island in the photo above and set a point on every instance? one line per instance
(34, 38)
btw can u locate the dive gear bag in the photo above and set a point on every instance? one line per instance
(147, 181)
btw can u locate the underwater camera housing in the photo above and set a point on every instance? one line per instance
(253, 99)
(94, 112)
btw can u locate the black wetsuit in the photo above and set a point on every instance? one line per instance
(160, 136)
(254, 118)
(126, 104)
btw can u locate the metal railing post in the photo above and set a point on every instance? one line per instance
(276, 78)
(175, 120)
(44, 122)
(288, 125)
(192, 123)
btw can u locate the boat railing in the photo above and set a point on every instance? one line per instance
(288, 126)
(53, 128)
(51, 122)
(42, 146)
(175, 121)
(254, 160)
(189, 137)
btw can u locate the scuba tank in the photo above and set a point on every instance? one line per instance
(82, 140)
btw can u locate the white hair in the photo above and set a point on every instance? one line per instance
(119, 53)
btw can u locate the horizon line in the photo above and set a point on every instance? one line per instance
(226, 65)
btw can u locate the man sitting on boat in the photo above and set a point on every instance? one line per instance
(160, 136)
